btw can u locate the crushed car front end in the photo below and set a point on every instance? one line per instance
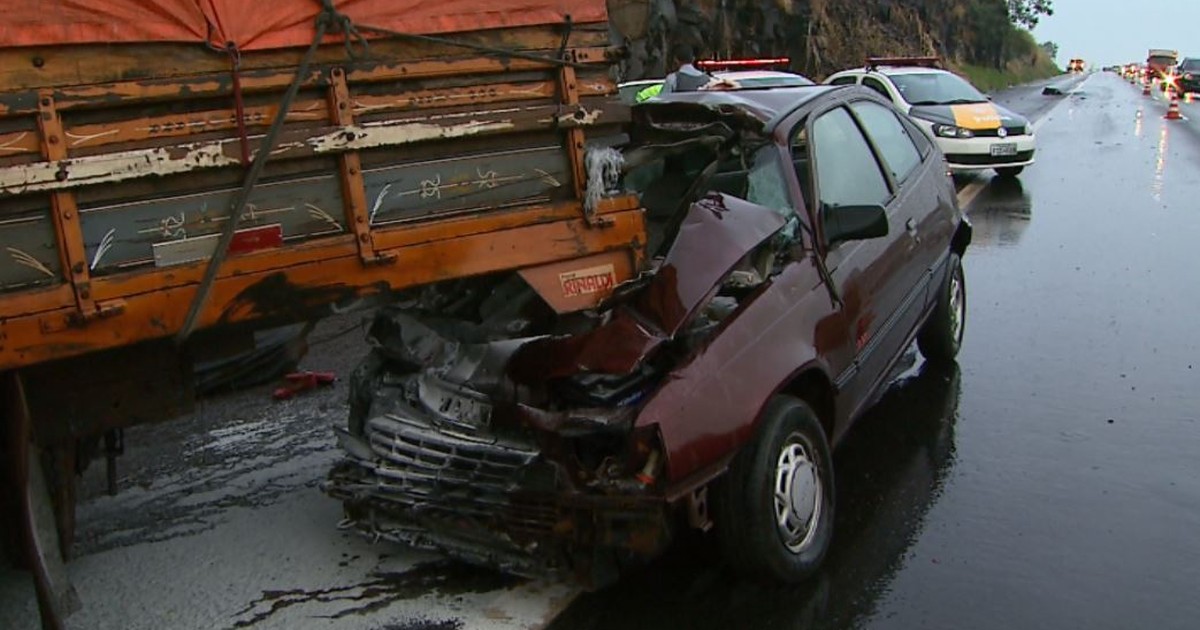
(488, 426)
(438, 465)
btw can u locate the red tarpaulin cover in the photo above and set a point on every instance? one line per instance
(258, 25)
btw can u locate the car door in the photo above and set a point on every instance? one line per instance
(871, 275)
(923, 203)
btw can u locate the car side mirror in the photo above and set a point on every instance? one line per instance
(854, 223)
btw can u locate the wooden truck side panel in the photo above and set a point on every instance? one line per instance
(406, 168)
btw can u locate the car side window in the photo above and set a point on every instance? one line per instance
(919, 138)
(848, 80)
(891, 138)
(878, 86)
(846, 169)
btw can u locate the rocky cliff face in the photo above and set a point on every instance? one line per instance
(819, 36)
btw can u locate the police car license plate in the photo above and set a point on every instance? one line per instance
(1005, 149)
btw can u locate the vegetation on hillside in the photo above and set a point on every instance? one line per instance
(823, 36)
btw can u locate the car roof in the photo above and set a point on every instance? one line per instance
(888, 71)
(902, 70)
(767, 105)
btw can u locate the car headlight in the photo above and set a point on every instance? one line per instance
(951, 131)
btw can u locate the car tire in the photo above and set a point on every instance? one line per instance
(941, 336)
(789, 452)
(1010, 171)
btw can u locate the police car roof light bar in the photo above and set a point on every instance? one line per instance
(924, 62)
(725, 64)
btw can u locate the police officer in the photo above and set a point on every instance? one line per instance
(686, 77)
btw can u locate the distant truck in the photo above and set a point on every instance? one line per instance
(1159, 63)
(1076, 65)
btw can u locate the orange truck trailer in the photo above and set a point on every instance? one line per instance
(177, 173)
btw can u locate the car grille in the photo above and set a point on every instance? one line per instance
(447, 471)
(982, 159)
(994, 133)
(423, 456)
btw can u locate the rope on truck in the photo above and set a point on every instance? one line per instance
(329, 21)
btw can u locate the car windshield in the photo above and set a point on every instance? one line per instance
(936, 88)
(1161, 60)
(1190, 65)
(772, 82)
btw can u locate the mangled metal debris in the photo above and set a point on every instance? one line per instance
(520, 451)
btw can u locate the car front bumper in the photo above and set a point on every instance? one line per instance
(487, 498)
(970, 154)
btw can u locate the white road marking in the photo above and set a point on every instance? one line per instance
(969, 192)
(1037, 124)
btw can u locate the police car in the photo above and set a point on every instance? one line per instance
(735, 73)
(974, 133)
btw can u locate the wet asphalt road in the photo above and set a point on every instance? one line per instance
(1051, 480)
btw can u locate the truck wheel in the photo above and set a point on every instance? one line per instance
(942, 335)
(1010, 171)
(774, 507)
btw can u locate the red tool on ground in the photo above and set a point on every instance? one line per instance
(301, 382)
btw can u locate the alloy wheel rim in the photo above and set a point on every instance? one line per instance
(798, 497)
(957, 308)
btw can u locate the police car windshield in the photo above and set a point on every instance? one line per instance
(936, 88)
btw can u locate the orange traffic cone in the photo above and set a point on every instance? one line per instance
(1173, 108)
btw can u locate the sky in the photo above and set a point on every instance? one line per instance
(1112, 32)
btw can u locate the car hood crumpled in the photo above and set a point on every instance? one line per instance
(718, 231)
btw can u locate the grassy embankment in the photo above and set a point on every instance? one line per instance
(1032, 64)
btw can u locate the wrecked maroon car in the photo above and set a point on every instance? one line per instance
(800, 239)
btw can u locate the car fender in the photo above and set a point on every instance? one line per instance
(708, 407)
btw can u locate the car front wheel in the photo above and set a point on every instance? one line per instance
(774, 507)
(942, 335)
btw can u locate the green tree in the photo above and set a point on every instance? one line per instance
(1050, 48)
(1027, 12)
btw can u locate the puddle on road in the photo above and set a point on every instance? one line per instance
(1000, 214)
(438, 578)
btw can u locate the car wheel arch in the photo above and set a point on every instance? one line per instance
(811, 384)
(961, 238)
